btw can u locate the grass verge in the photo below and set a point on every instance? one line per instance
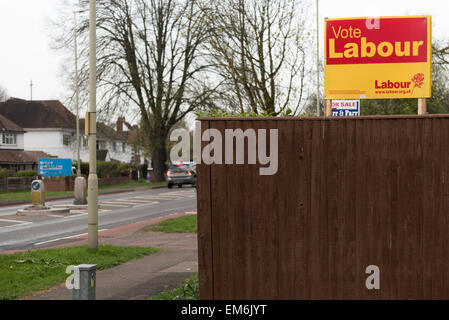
(188, 291)
(26, 195)
(26, 272)
(186, 224)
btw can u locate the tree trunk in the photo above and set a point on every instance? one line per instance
(159, 157)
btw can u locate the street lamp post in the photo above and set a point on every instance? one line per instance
(80, 182)
(91, 123)
(78, 170)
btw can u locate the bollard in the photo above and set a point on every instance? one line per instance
(84, 282)
(38, 193)
(80, 191)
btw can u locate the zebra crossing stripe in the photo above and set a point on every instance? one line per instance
(179, 193)
(132, 202)
(84, 212)
(122, 203)
(162, 197)
(112, 204)
(140, 200)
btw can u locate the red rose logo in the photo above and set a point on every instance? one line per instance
(418, 80)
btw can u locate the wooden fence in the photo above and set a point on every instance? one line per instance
(348, 193)
(15, 184)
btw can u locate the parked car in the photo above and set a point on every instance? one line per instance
(181, 174)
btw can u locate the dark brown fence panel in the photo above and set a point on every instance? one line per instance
(205, 254)
(349, 193)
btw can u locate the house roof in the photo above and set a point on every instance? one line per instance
(131, 136)
(38, 114)
(21, 157)
(8, 125)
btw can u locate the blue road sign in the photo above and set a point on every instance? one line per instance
(35, 185)
(55, 167)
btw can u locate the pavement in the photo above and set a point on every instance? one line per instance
(141, 278)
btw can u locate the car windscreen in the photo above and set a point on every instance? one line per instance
(179, 168)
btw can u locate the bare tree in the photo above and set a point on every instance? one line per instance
(440, 53)
(147, 52)
(3, 94)
(258, 49)
(310, 105)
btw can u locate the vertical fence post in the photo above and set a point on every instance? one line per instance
(422, 106)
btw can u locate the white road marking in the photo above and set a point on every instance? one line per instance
(179, 192)
(65, 238)
(140, 200)
(129, 203)
(112, 204)
(17, 223)
(55, 216)
(120, 202)
(84, 212)
(77, 215)
(162, 197)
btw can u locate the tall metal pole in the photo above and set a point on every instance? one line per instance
(78, 170)
(317, 58)
(93, 179)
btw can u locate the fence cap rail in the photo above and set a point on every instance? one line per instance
(375, 117)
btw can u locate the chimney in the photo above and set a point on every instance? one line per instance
(120, 122)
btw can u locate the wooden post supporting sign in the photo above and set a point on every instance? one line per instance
(328, 108)
(422, 106)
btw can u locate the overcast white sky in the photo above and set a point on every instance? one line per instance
(25, 52)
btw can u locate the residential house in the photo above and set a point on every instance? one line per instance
(48, 126)
(12, 154)
(111, 145)
(133, 138)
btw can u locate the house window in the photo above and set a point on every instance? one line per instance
(66, 139)
(85, 142)
(123, 147)
(9, 138)
(101, 145)
(114, 146)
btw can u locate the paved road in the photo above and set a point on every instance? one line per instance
(31, 232)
